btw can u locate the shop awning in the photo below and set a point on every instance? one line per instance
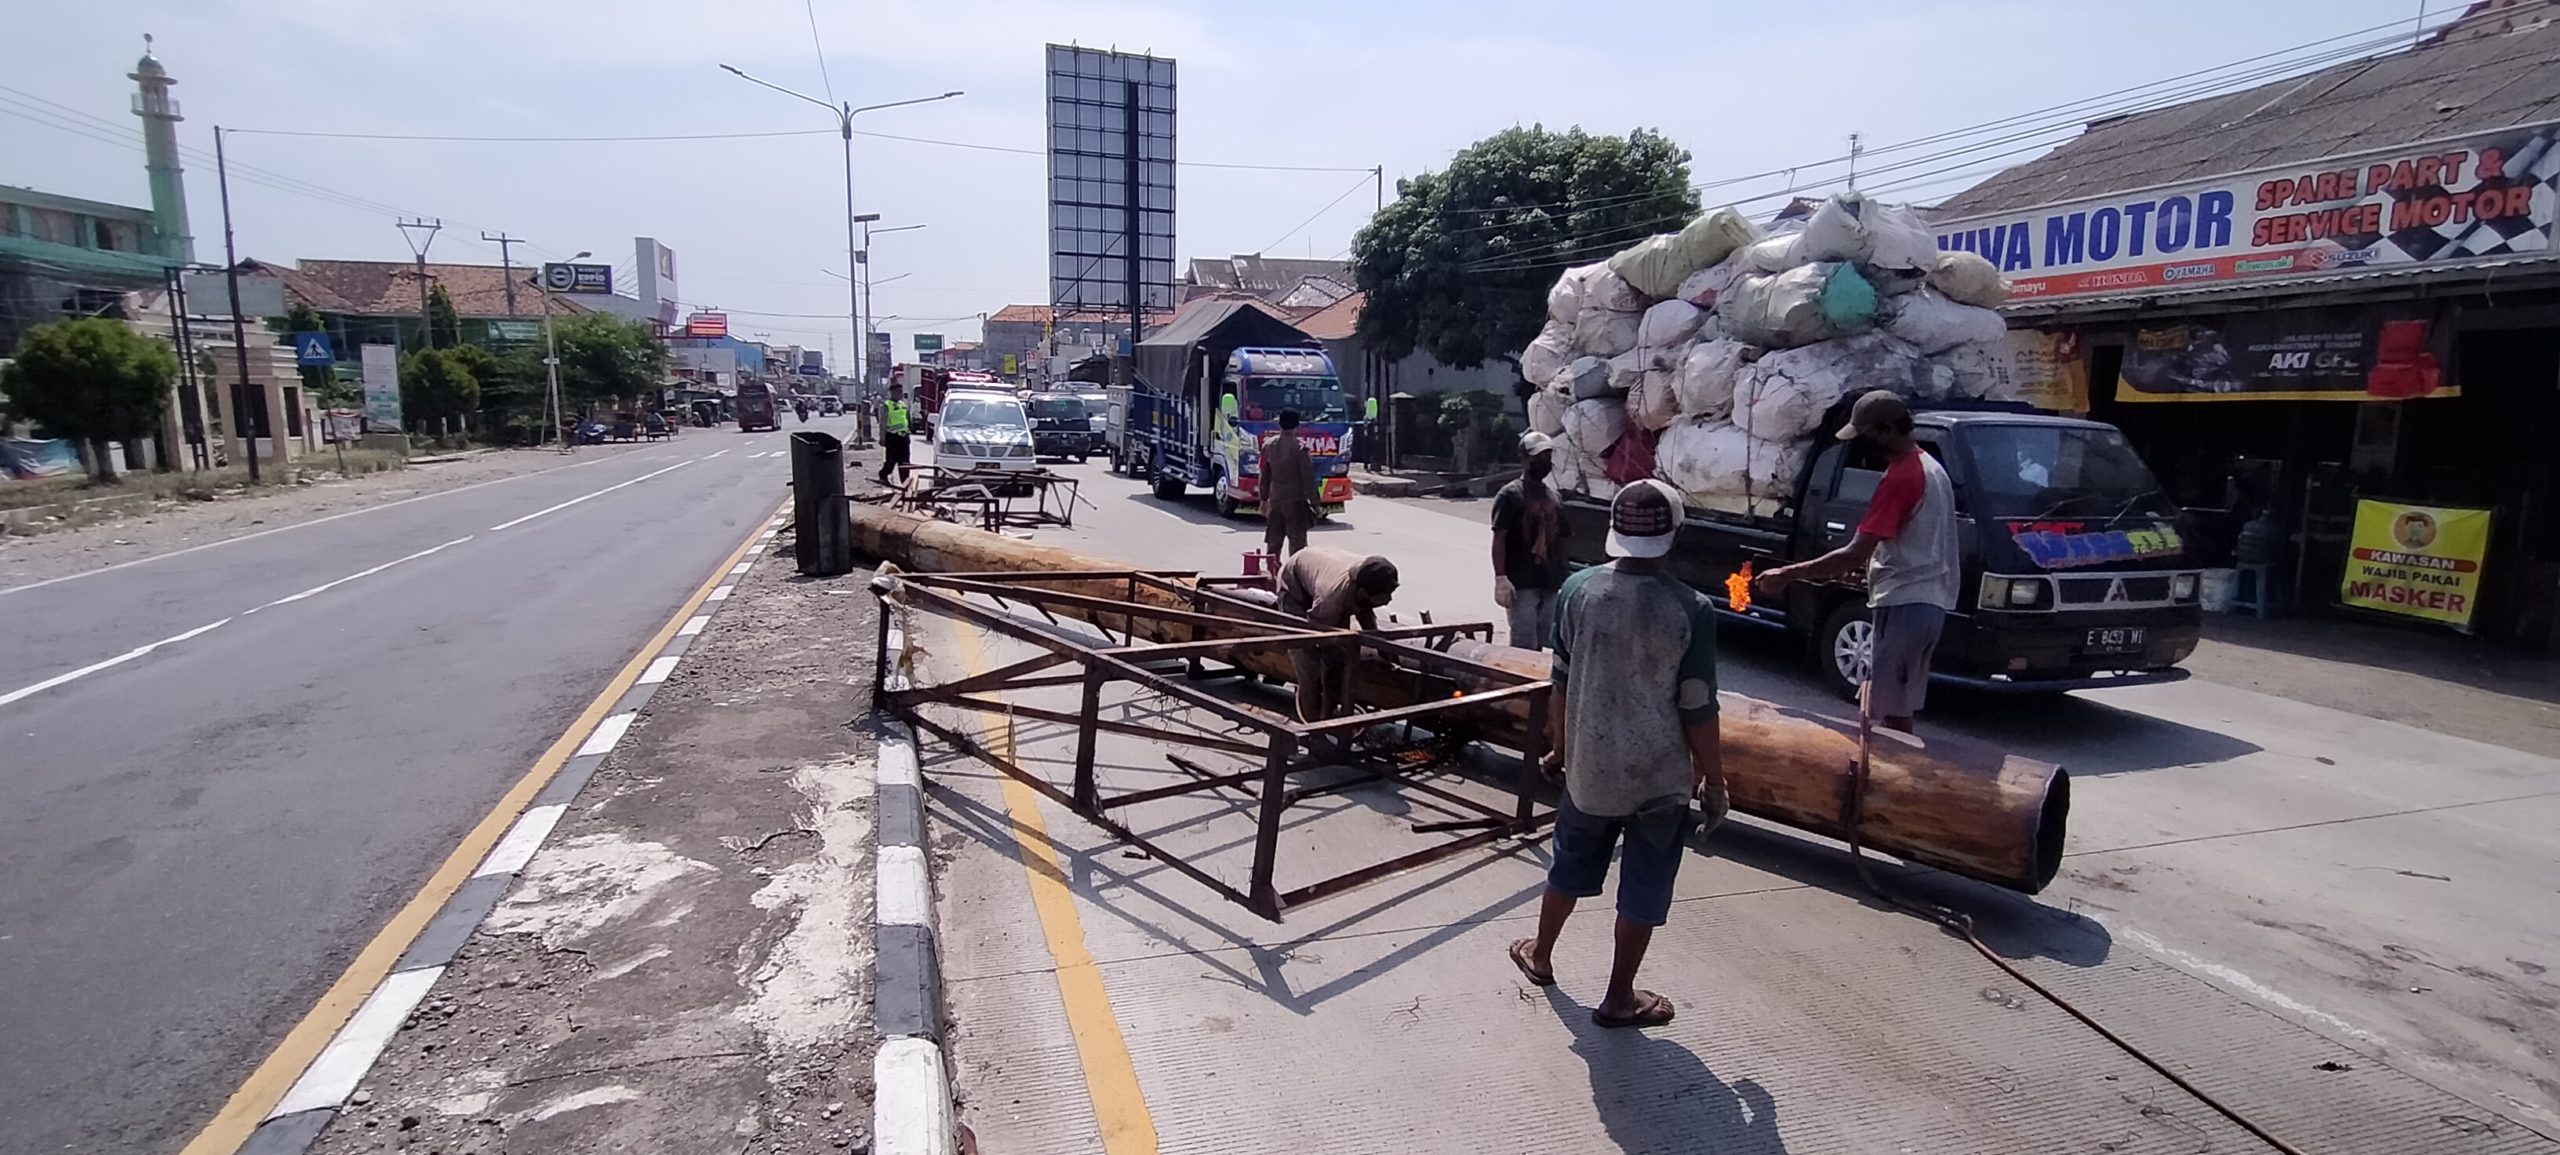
(2506, 273)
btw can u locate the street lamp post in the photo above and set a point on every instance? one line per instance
(844, 113)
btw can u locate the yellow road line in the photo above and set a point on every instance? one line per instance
(1110, 1078)
(266, 1086)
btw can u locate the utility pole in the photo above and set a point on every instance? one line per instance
(243, 420)
(506, 263)
(410, 231)
(1857, 146)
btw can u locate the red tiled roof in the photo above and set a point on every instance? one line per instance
(390, 288)
(1337, 321)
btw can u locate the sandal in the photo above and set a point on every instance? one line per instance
(1653, 1011)
(1520, 958)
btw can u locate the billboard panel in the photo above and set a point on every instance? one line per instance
(1111, 167)
(2485, 196)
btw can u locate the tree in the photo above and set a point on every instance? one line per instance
(1460, 264)
(444, 326)
(436, 384)
(603, 356)
(91, 380)
(320, 383)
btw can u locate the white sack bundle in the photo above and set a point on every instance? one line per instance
(1549, 354)
(1934, 324)
(1591, 427)
(1707, 377)
(1970, 279)
(1669, 323)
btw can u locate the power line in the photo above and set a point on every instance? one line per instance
(1363, 182)
(452, 138)
(810, 7)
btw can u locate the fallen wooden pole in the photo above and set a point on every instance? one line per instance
(1961, 806)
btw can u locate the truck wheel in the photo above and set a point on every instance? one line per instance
(1844, 648)
(1168, 487)
(1226, 505)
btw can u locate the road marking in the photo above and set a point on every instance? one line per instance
(721, 594)
(1110, 1078)
(741, 568)
(608, 734)
(334, 1075)
(722, 453)
(94, 667)
(302, 525)
(658, 670)
(901, 880)
(694, 627)
(266, 1087)
(2231, 977)
(589, 497)
(327, 586)
(523, 838)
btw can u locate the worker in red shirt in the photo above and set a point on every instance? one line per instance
(1907, 545)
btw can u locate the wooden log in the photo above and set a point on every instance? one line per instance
(1951, 803)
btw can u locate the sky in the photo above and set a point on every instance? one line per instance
(757, 223)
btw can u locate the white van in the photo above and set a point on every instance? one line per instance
(982, 429)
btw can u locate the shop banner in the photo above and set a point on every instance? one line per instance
(382, 387)
(2287, 355)
(2046, 370)
(2471, 198)
(2417, 561)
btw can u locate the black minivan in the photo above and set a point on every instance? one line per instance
(2077, 572)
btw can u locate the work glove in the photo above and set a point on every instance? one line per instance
(1503, 594)
(1713, 805)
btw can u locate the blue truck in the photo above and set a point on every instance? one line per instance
(1209, 392)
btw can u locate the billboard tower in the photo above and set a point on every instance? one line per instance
(1111, 166)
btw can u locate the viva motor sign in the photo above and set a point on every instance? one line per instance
(2472, 198)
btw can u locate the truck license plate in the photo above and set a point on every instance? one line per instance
(2114, 640)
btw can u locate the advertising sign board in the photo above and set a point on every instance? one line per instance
(562, 277)
(2287, 355)
(928, 343)
(382, 386)
(1111, 170)
(2443, 203)
(2417, 561)
(707, 325)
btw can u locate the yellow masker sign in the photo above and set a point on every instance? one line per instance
(2416, 560)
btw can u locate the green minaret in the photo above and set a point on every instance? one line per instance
(160, 152)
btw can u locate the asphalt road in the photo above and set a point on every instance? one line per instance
(225, 769)
(2394, 889)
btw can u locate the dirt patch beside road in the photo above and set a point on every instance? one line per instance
(686, 965)
(162, 526)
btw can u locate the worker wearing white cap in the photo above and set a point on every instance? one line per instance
(1528, 545)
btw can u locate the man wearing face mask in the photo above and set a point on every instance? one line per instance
(1528, 545)
(1907, 544)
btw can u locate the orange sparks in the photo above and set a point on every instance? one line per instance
(1737, 588)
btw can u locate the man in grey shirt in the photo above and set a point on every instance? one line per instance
(1635, 672)
(1907, 542)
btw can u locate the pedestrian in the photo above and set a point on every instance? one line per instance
(893, 434)
(1637, 738)
(1331, 588)
(1528, 545)
(1907, 545)
(1288, 489)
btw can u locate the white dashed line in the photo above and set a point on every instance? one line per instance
(94, 667)
(658, 671)
(720, 595)
(694, 626)
(740, 568)
(334, 1075)
(608, 732)
(325, 587)
(589, 497)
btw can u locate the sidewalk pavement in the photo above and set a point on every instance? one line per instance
(1101, 1001)
(685, 964)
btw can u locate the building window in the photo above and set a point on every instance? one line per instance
(54, 225)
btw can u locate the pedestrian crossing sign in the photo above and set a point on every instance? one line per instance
(312, 349)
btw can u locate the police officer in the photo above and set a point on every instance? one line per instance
(893, 433)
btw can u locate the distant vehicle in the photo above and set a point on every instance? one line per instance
(1061, 426)
(755, 407)
(983, 429)
(925, 385)
(1211, 387)
(831, 405)
(2075, 572)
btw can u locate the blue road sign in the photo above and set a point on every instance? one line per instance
(311, 349)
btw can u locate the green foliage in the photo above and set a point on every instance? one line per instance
(91, 379)
(605, 358)
(437, 384)
(1460, 263)
(444, 326)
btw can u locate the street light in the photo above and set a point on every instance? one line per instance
(551, 350)
(845, 112)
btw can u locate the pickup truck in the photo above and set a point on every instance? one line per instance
(2076, 573)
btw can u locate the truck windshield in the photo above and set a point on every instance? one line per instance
(2037, 471)
(989, 411)
(1315, 398)
(1058, 408)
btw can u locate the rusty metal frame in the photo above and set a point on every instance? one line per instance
(1220, 628)
(985, 495)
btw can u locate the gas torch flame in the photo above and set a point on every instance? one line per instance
(1737, 588)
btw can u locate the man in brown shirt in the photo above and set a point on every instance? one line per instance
(1331, 588)
(1288, 489)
